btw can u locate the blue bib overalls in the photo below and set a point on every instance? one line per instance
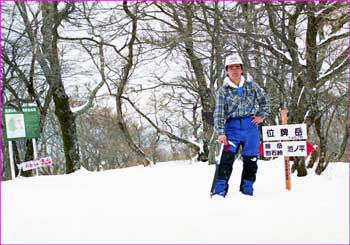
(243, 131)
(240, 132)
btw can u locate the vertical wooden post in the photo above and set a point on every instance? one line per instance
(12, 161)
(284, 119)
(35, 150)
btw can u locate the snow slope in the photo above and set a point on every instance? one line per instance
(170, 203)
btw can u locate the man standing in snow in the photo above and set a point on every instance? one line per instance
(240, 106)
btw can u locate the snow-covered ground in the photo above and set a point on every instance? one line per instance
(170, 203)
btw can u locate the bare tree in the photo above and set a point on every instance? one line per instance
(45, 51)
(180, 21)
(117, 67)
(48, 58)
(298, 37)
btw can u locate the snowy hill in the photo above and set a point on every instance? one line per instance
(170, 203)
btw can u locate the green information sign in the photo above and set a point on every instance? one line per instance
(21, 125)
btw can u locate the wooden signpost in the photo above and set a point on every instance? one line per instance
(285, 140)
(284, 121)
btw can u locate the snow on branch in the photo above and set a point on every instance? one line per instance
(333, 71)
(301, 93)
(88, 104)
(332, 38)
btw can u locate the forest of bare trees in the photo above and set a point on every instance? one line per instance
(124, 83)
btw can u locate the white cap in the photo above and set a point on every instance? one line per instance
(233, 59)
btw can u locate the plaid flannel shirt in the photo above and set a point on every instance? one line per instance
(229, 104)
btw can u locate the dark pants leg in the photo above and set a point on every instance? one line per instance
(250, 168)
(249, 156)
(225, 167)
(224, 173)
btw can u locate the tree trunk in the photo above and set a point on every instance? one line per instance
(312, 72)
(16, 157)
(313, 159)
(322, 147)
(343, 145)
(53, 75)
(127, 68)
(204, 92)
(299, 166)
(29, 155)
(68, 128)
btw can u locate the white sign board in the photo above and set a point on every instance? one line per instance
(15, 125)
(284, 132)
(42, 162)
(285, 148)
